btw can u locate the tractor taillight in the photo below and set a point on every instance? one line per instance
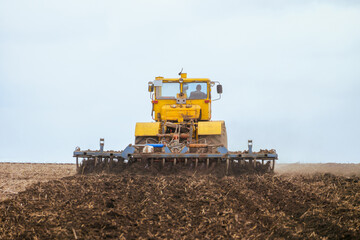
(155, 101)
(207, 101)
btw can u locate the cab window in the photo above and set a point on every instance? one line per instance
(195, 90)
(168, 90)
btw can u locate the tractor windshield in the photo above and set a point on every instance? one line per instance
(168, 90)
(195, 90)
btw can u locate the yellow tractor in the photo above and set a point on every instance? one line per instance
(181, 108)
(182, 132)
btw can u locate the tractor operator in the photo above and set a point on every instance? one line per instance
(198, 94)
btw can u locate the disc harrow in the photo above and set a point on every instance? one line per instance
(262, 161)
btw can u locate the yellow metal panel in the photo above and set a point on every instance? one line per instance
(178, 113)
(209, 128)
(147, 129)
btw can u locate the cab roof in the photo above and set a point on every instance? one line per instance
(183, 76)
(184, 79)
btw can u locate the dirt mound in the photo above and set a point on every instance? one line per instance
(132, 206)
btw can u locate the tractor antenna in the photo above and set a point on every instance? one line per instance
(181, 71)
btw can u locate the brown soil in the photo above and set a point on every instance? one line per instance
(16, 177)
(350, 169)
(134, 205)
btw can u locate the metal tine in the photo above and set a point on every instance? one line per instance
(227, 166)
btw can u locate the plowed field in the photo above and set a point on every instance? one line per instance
(138, 206)
(16, 177)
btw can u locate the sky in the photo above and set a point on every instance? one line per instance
(74, 71)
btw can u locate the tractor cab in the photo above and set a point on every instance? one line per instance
(181, 99)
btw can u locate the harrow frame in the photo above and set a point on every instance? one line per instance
(222, 155)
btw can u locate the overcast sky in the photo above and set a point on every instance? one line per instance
(74, 71)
